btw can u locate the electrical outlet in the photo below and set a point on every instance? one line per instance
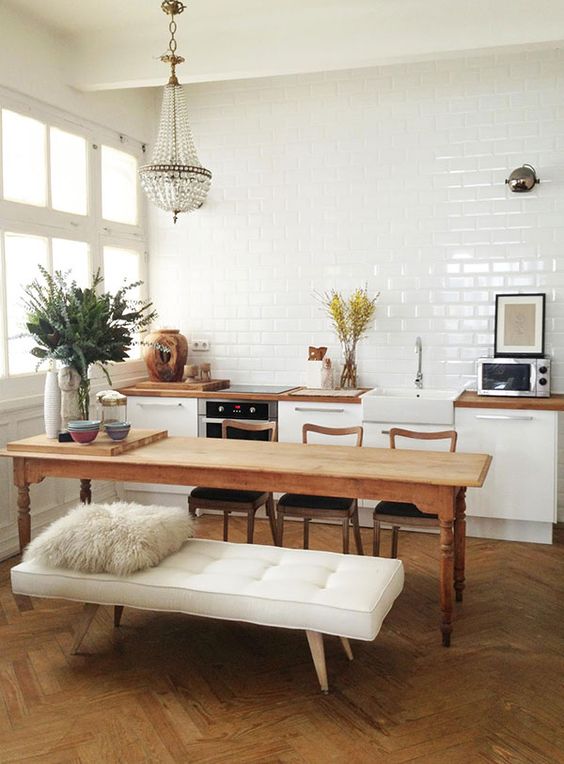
(200, 345)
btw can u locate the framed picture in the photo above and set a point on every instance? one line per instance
(519, 325)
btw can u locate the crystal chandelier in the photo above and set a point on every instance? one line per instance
(174, 180)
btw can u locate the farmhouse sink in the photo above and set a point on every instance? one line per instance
(404, 405)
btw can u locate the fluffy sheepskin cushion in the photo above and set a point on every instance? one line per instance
(115, 538)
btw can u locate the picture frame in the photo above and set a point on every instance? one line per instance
(519, 325)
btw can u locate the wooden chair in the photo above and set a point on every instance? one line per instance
(322, 507)
(229, 500)
(400, 514)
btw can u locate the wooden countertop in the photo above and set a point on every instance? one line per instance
(226, 394)
(471, 400)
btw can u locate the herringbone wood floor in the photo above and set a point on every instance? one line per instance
(170, 688)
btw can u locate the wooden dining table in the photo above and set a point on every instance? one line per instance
(435, 481)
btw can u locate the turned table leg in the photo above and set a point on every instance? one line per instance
(24, 518)
(85, 491)
(459, 542)
(446, 574)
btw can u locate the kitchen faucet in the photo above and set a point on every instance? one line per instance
(419, 375)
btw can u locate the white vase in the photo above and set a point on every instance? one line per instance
(52, 405)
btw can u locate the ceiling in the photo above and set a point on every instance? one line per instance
(117, 44)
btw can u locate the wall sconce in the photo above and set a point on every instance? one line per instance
(523, 178)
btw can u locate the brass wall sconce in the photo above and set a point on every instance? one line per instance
(523, 178)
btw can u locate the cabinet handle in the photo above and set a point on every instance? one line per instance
(329, 411)
(505, 416)
(385, 432)
(160, 405)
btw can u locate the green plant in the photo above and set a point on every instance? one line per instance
(350, 318)
(80, 327)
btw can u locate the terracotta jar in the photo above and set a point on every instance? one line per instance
(165, 353)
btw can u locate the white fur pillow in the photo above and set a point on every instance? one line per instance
(115, 538)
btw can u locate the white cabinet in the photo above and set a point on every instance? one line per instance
(521, 483)
(292, 415)
(177, 415)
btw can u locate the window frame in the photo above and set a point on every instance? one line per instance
(16, 217)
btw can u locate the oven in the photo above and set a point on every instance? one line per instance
(211, 414)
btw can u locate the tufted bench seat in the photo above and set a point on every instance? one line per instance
(318, 592)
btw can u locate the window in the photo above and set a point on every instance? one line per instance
(119, 186)
(68, 202)
(69, 191)
(24, 159)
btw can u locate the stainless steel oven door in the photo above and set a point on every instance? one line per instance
(211, 428)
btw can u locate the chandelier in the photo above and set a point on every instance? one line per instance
(174, 180)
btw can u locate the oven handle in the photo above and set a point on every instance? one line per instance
(319, 409)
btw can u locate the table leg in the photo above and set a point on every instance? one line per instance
(459, 542)
(85, 491)
(446, 575)
(24, 518)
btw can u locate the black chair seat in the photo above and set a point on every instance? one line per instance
(314, 502)
(401, 508)
(225, 494)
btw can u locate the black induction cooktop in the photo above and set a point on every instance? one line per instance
(251, 389)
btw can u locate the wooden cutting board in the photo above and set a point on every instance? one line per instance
(102, 446)
(213, 384)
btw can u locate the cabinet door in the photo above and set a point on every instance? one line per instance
(521, 482)
(292, 416)
(177, 415)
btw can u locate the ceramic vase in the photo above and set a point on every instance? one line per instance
(52, 404)
(165, 353)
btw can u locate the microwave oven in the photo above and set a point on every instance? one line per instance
(514, 376)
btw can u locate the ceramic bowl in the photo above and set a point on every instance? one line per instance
(83, 424)
(118, 433)
(84, 436)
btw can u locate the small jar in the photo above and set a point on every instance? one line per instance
(112, 407)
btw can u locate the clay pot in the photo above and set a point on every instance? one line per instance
(165, 353)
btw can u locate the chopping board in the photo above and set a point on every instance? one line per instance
(213, 384)
(102, 446)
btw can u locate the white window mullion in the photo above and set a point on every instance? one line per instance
(3, 311)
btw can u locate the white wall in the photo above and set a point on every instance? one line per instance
(389, 176)
(39, 63)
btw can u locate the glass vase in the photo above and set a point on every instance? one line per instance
(348, 372)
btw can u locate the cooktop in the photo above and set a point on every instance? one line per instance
(274, 389)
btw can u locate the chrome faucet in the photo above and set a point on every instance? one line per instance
(419, 375)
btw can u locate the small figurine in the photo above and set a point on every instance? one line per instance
(326, 374)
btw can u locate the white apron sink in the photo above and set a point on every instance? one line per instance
(409, 405)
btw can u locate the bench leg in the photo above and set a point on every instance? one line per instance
(88, 613)
(347, 647)
(118, 612)
(315, 640)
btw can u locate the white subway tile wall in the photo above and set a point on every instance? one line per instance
(391, 177)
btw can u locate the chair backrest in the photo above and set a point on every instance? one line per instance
(250, 427)
(398, 432)
(358, 431)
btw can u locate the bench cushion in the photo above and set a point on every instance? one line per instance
(341, 594)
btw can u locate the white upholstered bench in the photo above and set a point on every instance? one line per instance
(319, 592)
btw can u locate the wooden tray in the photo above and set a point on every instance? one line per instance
(320, 393)
(213, 384)
(102, 446)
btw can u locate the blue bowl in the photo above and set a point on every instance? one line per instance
(83, 424)
(118, 434)
(117, 425)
